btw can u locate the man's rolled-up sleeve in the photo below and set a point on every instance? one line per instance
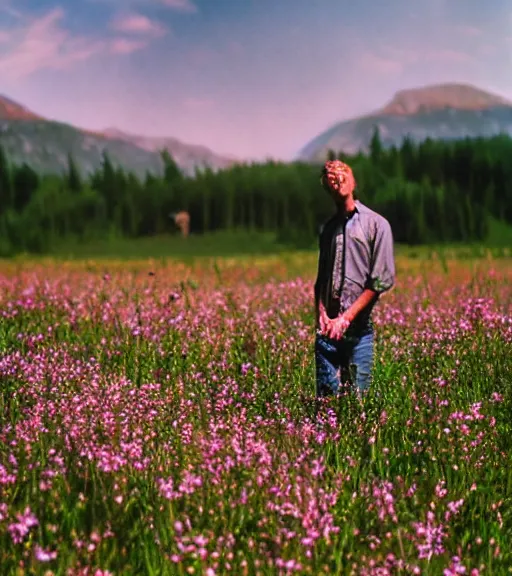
(382, 272)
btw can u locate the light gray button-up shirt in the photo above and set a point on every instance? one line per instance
(356, 252)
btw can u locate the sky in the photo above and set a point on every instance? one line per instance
(252, 79)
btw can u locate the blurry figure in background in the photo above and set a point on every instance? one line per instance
(182, 220)
(356, 264)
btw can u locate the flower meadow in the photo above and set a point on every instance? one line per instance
(160, 419)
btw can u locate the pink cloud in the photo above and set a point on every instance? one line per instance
(380, 64)
(447, 56)
(470, 31)
(488, 50)
(138, 24)
(126, 45)
(42, 43)
(180, 5)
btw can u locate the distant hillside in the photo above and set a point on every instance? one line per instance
(444, 111)
(10, 110)
(188, 156)
(44, 145)
(440, 97)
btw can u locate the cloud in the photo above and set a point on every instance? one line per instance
(138, 24)
(468, 31)
(126, 45)
(42, 43)
(454, 56)
(380, 64)
(488, 50)
(180, 5)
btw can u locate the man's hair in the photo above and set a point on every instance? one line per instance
(336, 166)
(340, 168)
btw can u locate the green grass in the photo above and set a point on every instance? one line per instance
(500, 234)
(242, 243)
(217, 244)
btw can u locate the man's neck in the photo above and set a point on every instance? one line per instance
(346, 208)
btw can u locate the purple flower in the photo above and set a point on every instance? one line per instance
(44, 555)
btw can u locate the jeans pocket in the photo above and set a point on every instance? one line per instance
(323, 342)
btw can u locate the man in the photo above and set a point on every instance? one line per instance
(355, 265)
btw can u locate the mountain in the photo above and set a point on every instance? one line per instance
(440, 97)
(45, 145)
(10, 110)
(185, 155)
(440, 111)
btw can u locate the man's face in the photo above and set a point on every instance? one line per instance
(338, 180)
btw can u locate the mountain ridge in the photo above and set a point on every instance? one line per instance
(438, 111)
(157, 143)
(440, 96)
(11, 110)
(45, 144)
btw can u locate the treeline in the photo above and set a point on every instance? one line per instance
(430, 192)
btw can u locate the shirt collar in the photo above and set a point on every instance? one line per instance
(351, 214)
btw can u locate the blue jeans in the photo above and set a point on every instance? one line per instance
(347, 360)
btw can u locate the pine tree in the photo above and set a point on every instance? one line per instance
(6, 189)
(376, 147)
(74, 180)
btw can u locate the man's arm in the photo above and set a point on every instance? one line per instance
(343, 321)
(365, 299)
(382, 270)
(381, 278)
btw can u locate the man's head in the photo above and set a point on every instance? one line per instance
(338, 179)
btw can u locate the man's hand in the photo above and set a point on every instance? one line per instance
(338, 327)
(333, 328)
(324, 322)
